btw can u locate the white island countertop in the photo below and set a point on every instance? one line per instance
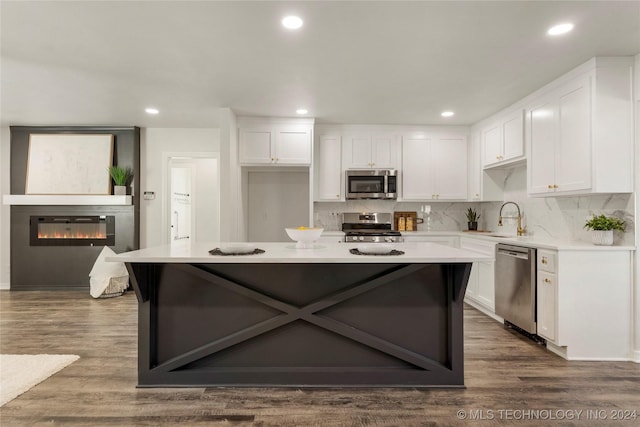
(198, 252)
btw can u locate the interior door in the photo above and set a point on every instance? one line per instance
(181, 202)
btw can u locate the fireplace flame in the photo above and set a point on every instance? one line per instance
(71, 235)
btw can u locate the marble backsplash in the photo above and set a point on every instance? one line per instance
(562, 218)
(442, 216)
(557, 218)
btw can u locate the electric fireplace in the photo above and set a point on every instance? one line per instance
(88, 230)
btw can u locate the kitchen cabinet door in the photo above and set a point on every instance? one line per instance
(434, 168)
(384, 152)
(256, 146)
(492, 143)
(371, 151)
(585, 124)
(513, 135)
(542, 158)
(573, 151)
(474, 188)
(450, 168)
(329, 169)
(486, 293)
(417, 174)
(503, 141)
(547, 305)
(439, 240)
(482, 291)
(357, 152)
(275, 145)
(292, 146)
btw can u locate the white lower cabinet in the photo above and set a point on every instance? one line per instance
(331, 238)
(547, 305)
(441, 240)
(481, 285)
(547, 294)
(583, 306)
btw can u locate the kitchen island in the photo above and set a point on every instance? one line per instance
(320, 317)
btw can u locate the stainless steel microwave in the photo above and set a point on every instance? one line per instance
(371, 184)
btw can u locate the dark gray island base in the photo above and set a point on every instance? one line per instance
(300, 324)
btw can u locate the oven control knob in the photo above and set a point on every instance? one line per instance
(388, 239)
(361, 238)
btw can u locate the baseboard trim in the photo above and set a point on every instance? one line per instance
(5, 286)
(484, 310)
(636, 356)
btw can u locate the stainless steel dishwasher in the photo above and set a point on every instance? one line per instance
(515, 274)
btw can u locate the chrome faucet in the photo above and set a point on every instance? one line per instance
(521, 230)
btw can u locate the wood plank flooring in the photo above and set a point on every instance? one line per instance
(510, 380)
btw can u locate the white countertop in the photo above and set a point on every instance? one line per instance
(528, 241)
(198, 252)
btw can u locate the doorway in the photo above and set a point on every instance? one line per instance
(192, 209)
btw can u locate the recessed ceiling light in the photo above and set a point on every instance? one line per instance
(447, 113)
(301, 111)
(151, 110)
(556, 30)
(292, 22)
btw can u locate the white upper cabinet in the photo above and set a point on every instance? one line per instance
(272, 142)
(434, 167)
(580, 132)
(370, 151)
(474, 170)
(503, 140)
(328, 167)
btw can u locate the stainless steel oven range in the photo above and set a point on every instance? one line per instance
(372, 227)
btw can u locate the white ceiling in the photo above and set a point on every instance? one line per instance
(102, 63)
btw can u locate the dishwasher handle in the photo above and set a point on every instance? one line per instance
(512, 253)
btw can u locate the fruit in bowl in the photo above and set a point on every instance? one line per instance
(304, 236)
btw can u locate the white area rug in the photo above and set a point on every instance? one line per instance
(20, 372)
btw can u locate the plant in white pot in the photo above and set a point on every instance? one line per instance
(121, 177)
(472, 219)
(603, 227)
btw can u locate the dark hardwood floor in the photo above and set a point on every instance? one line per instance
(510, 380)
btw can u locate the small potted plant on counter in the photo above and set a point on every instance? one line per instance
(603, 227)
(121, 177)
(472, 219)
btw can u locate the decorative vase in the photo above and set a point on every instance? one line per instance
(472, 225)
(120, 190)
(602, 237)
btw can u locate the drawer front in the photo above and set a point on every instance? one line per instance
(547, 261)
(478, 246)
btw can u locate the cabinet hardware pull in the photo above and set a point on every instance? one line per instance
(547, 280)
(555, 186)
(544, 260)
(550, 186)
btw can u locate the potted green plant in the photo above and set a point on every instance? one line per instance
(603, 227)
(472, 219)
(121, 177)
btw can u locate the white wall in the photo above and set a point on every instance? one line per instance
(154, 144)
(232, 211)
(5, 180)
(276, 199)
(637, 201)
(207, 204)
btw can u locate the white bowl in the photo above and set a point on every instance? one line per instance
(237, 248)
(304, 237)
(375, 249)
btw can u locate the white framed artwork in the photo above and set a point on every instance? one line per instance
(69, 164)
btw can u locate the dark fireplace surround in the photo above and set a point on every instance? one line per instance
(55, 247)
